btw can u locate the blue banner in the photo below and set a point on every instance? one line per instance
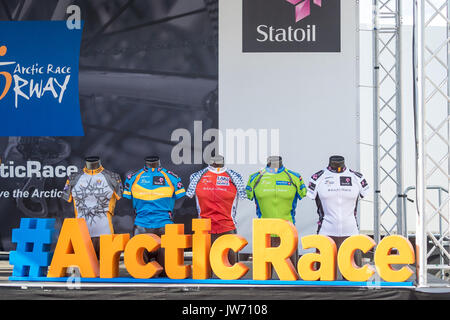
(39, 79)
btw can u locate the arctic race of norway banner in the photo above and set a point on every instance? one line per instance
(40, 79)
(116, 86)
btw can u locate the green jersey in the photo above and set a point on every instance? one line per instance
(276, 193)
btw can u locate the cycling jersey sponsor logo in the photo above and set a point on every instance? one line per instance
(144, 180)
(223, 181)
(170, 172)
(346, 181)
(179, 185)
(291, 26)
(364, 183)
(339, 189)
(303, 8)
(158, 181)
(317, 175)
(283, 183)
(312, 186)
(39, 79)
(359, 175)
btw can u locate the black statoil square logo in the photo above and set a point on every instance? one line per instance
(346, 181)
(291, 26)
(158, 181)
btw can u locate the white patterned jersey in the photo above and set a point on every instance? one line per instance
(336, 195)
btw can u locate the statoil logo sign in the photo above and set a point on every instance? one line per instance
(39, 79)
(291, 26)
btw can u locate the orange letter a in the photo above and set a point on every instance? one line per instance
(74, 248)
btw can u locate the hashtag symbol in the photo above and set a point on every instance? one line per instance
(34, 240)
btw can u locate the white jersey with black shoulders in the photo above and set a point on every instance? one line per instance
(336, 195)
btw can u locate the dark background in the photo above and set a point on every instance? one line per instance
(136, 44)
(281, 14)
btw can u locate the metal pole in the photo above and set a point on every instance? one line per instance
(387, 99)
(448, 103)
(441, 256)
(376, 125)
(421, 247)
(400, 224)
(405, 221)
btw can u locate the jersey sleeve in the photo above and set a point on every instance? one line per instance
(251, 185)
(312, 185)
(114, 181)
(130, 178)
(238, 181)
(67, 191)
(70, 183)
(193, 181)
(179, 192)
(118, 186)
(301, 188)
(190, 192)
(363, 187)
(362, 184)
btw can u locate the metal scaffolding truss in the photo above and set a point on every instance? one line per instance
(387, 119)
(432, 129)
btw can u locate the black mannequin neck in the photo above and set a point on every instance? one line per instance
(275, 162)
(336, 164)
(217, 162)
(152, 162)
(93, 163)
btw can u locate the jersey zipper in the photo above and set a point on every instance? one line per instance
(340, 210)
(275, 202)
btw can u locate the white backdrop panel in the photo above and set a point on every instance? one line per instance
(312, 98)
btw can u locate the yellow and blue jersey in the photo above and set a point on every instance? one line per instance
(153, 191)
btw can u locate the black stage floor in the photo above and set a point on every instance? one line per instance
(217, 292)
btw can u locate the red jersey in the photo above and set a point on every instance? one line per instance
(217, 191)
